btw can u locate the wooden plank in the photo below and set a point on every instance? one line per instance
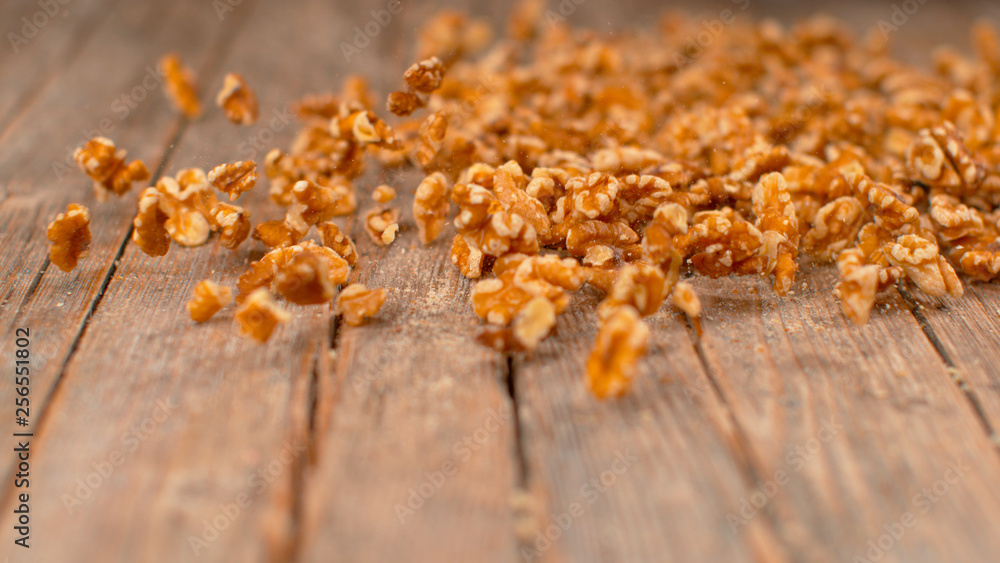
(967, 332)
(418, 458)
(40, 42)
(651, 476)
(863, 423)
(52, 303)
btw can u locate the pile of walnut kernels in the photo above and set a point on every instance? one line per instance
(566, 157)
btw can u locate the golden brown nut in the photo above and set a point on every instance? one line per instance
(403, 103)
(238, 100)
(687, 300)
(779, 227)
(209, 298)
(233, 223)
(425, 76)
(920, 261)
(277, 234)
(179, 85)
(430, 206)
(70, 236)
(620, 343)
(259, 315)
(340, 243)
(883, 203)
(382, 225)
(858, 285)
(534, 322)
(235, 178)
(383, 194)
(641, 286)
(509, 183)
(150, 232)
(357, 303)
(106, 166)
(470, 261)
(305, 280)
(834, 227)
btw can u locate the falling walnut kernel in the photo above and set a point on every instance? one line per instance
(233, 223)
(403, 103)
(234, 179)
(357, 303)
(277, 234)
(686, 299)
(430, 206)
(641, 286)
(534, 322)
(304, 280)
(259, 315)
(470, 261)
(179, 85)
(383, 194)
(150, 232)
(857, 287)
(425, 76)
(70, 236)
(238, 100)
(209, 298)
(106, 166)
(379, 222)
(621, 342)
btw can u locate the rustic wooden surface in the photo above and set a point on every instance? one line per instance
(780, 432)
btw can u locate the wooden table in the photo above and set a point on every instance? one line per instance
(782, 433)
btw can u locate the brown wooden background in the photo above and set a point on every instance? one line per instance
(324, 431)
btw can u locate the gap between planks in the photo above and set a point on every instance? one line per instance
(219, 49)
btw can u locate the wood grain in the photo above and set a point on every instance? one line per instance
(56, 304)
(669, 500)
(861, 420)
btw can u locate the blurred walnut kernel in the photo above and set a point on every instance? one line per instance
(259, 315)
(357, 303)
(620, 342)
(106, 166)
(209, 298)
(69, 233)
(238, 100)
(179, 85)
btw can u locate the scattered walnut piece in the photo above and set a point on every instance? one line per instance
(238, 100)
(403, 103)
(70, 236)
(921, 262)
(150, 232)
(834, 226)
(259, 315)
(106, 166)
(858, 285)
(234, 179)
(534, 322)
(687, 300)
(357, 303)
(383, 194)
(425, 76)
(305, 280)
(382, 225)
(233, 223)
(470, 261)
(179, 85)
(277, 234)
(642, 286)
(209, 298)
(340, 243)
(779, 227)
(620, 343)
(430, 206)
